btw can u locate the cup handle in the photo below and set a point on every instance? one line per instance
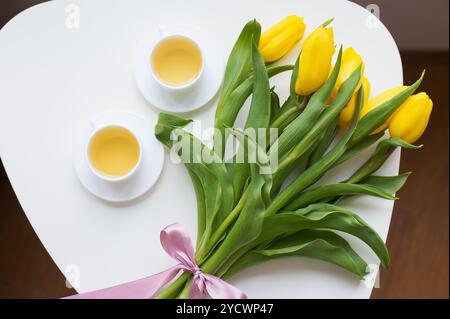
(162, 29)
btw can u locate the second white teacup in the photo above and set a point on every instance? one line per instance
(176, 61)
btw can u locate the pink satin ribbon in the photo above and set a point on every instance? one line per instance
(177, 244)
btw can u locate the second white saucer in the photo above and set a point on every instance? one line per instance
(186, 101)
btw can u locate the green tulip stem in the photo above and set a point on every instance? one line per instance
(184, 294)
(174, 288)
(297, 107)
(222, 228)
(278, 121)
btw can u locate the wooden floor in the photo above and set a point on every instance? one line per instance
(419, 233)
(418, 238)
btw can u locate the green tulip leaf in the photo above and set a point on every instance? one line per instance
(341, 189)
(239, 62)
(389, 184)
(201, 205)
(354, 150)
(318, 244)
(378, 186)
(258, 117)
(379, 156)
(323, 216)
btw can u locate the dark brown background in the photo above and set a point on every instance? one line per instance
(418, 237)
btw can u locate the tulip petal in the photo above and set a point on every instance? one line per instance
(315, 61)
(273, 31)
(347, 113)
(412, 119)
(350, 62)
(283, 42)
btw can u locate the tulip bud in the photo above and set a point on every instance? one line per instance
(346, 115)
(380, 99)
(349, 63)
(315, 61)
(281, 38)
(412, 118)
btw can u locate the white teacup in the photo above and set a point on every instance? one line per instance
(176, 61)
(114, 152)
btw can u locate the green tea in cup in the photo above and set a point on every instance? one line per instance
(176, 61)
(114, 152)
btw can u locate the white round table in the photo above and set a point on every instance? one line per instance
(55, 74)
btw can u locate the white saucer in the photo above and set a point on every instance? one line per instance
(181, 102)
(148, 171)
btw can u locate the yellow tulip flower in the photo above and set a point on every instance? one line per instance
(346, 115)
(315, 61)
(349, 63)
(412, 118)
(281, 38)
(380, 99)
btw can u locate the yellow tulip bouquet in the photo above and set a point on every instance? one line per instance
(247, 217)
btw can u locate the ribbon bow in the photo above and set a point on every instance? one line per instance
(177, 244)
